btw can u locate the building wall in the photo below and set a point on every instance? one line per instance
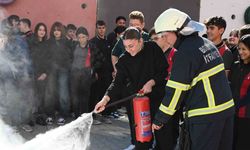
(108, 10)
(49, 11)
(225, 8)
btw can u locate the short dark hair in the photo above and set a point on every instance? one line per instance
(131, 33)
(37, 28)
(119, 29)
(119, 18)
(137, 15)
(220, 22)
(100, 23)
(71, 27)
(26, 21)
(245, 40)
(244, 30)
(12, 17)
(82, 30)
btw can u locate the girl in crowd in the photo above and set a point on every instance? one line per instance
(240, 84)
(39, 56)
(60, 62)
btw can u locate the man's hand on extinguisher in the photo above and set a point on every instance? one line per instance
(100, 106)
(156, 127)
(147, 88)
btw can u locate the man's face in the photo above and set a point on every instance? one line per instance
(101, 30)
(82, 38)
(121, 22)
(15, 23)
(133, 46)
(214, 33)
(71, 33)
(158, 39)
(166, 40)
(136, 23)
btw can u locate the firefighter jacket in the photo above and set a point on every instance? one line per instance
(198, 82)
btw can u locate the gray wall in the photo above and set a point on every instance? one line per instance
(108, 10)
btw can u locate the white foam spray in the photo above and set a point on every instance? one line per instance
(72, 136)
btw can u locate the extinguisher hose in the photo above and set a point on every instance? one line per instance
(121, 100)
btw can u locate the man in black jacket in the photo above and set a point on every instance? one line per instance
(105, 71)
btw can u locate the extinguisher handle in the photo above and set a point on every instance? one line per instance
(121, 100)
(140, 93)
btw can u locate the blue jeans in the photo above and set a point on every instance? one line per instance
(63, 92)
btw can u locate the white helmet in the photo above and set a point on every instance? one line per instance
(175, 20)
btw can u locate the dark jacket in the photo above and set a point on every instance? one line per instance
(39, 55)
(197, 79)
(240, 85)
(134, 71)
(104, 47)
(60, 54)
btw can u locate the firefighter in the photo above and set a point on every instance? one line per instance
(198, 82)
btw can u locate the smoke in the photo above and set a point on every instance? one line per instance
(72, 136)
(9, 138)
(17, 101)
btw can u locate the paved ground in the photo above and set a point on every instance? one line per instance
(113, 136)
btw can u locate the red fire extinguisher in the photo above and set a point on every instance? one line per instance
(142, 118)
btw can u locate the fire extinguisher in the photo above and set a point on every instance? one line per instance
(142, 118)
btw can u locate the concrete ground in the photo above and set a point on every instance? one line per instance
(115, 136)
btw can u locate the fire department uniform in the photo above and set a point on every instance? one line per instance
(198, 82)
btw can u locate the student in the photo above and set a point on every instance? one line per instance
(112, 37)
(39, 56)
(141, 67)
(240, 84)
(215, 29)
(233, 41)
(136, 19)
(105, 71)
(60, 63)
(87, 59)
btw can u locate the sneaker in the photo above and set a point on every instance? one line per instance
(96, 122)
(119, 115)
(113, 116)
(130, 147)
(27, 128)
(49, 121)
(106, 120)
(61, 121)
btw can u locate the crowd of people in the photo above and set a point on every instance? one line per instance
(206, 78)
(208, 81)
